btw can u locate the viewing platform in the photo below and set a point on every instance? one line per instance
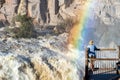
(106, 65)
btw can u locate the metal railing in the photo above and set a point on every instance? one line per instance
(105, 63)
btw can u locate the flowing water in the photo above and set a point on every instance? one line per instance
(44, 59)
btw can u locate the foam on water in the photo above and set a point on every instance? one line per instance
(44, 63)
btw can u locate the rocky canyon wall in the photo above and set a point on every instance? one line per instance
(43, 11)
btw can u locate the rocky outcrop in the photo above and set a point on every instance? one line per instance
(51, 12)
(1, 3)
(43, 11)
(8, 10)
(22, 9)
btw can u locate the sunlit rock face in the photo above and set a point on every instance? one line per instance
(104, 28)
(47, 12)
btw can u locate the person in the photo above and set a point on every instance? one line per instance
(91, 53)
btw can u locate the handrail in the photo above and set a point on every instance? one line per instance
(102, 49)
(104, 58)
(107, 49)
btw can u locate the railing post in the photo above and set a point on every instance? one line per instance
(119, 52)
(117, 64)
(86, 64)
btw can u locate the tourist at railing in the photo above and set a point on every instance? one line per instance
(91, 53)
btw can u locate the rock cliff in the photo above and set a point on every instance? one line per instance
(43, 11)
(104, 27)
(50, 12)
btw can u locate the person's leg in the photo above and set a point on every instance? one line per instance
(92, 62)
(91, 56)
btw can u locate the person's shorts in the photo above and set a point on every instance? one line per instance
(92, 55)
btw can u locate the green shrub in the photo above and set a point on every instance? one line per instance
(25, 29)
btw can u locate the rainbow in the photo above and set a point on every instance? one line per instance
(77, 36)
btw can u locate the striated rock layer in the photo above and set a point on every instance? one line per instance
(53, 11)
(43, 11)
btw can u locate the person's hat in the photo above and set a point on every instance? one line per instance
(91, 42)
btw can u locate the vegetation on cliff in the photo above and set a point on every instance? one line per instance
(25, 29)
